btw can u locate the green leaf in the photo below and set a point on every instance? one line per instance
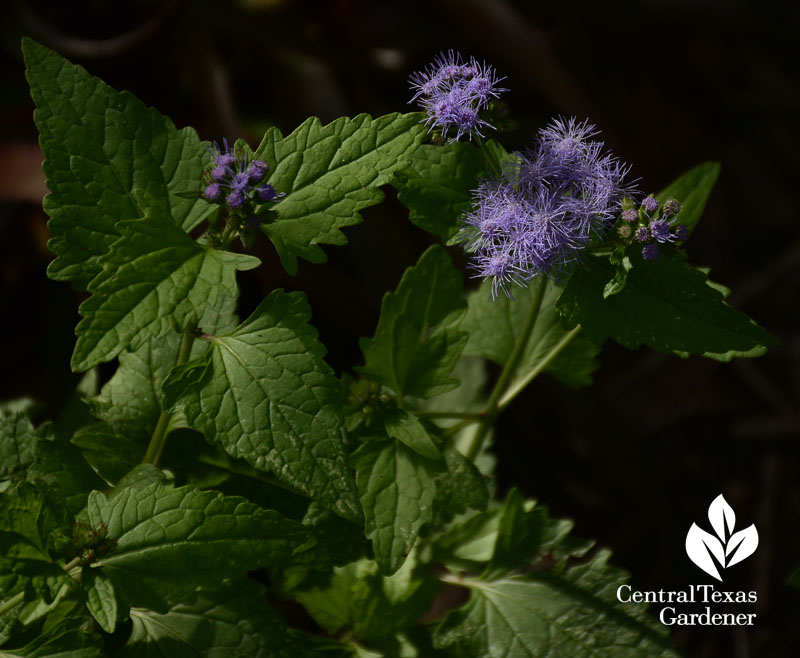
(328, 174)
(101, 599)
(179, 533)
(24, 524)
(397, 492)
(71, 637)
(494, 328)
(132, 400)
(404, 427)
(666, 304)
(64, 476)
(357, 597)
(237, 620)
(410, 353)
(437, 186)
(154, 278)
(459, 487)
(574, 615)
(17, 441)
(692, 189)
(110, 454)
(272, 400)
(99, 146)
(44, 579)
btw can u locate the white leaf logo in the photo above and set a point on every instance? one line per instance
(712, 553)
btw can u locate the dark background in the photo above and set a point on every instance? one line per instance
(634, 459)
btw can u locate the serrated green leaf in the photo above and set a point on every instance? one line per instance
(272, 400)
(110, 454)
(404, 427)
(100, 145)
(64, 477)
(417, 342)
(373, 606)
(182, 379)
(17, 441)
(132, 400)
(692, 189)
(101, 599)
(24, 520)
(236, 621)
(397, 493)
(495, 326)
(44, 579)
(437, 186)
(179, 535)
(153, 279)
(70, 638)
(328, 174)
(540, 615)
(459, 487)
(666, 305)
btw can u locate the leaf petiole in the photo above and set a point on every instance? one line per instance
(159, 438)
(559, 347)
(492, 407)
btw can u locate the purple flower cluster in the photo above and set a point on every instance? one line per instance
(652, 228)
(543, 212)
(237, 180)
(453, 93)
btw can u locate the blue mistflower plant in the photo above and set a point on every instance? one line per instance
(546, 208)
(454, 94)
(227, 445)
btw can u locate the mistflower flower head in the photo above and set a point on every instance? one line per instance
(545, 209)
(256, 171)
(649, 205)
(235, 199)
(659, 230)
(236, 178)
(650, 251)
(681, 232)
(642, 234)
(629, 215)
(624, 231)
(453, 93)
(670, 208)
(212, 192)
(267, 193)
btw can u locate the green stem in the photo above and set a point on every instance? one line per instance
(492, 408)
(159, 438)
(12, 603)
(455, 429)
(69, 566)
(450, 414)
(542, 365)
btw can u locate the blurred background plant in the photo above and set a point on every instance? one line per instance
(634, 459)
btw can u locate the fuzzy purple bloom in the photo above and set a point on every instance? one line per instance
(453, 93)
(629, 215)
(659, 230)
(544, 210)
(681, 232)
(235, 199)
(257, 170)
(650, 251)
(212, 192)
(671, 208)
(642, 234)
(238, 176)
(267, 193)
(649, 205)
